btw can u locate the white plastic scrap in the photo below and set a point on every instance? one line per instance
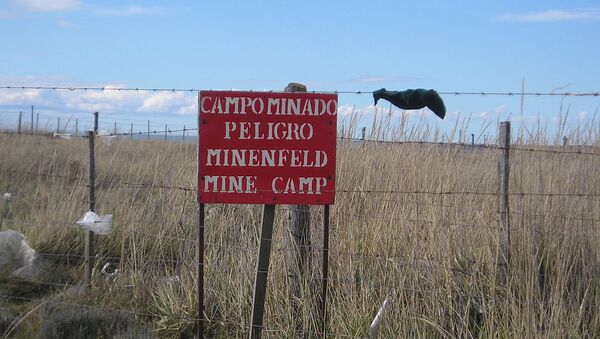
(62, 135)
(374, 329)
(100, 224)
(109, 269)
(7, 196)
(105, 136)
(17, 256)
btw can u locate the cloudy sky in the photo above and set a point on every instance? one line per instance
(332, 45)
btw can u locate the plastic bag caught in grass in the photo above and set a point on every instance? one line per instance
(100, 224)
(16, 255)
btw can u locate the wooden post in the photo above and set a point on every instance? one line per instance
(503, 189)
(165, 132)
(76, 127)
(131, 132)
(184, 134)
(58, 125)
(19, 128)
(297, 241)
(324, 278)
(201, 320)
(148, 137)
(472, 139)
(262, 271)
(363, 133)
(95, 122)
(89, 235)
(37, 121)
(31, 119)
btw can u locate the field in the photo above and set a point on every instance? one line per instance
(415, 223)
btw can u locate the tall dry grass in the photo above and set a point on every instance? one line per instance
(434, 255)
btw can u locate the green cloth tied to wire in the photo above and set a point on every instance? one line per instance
(413, 99)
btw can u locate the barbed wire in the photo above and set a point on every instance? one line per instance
(357, 140)
(358, 92)
(111, 184)
(477, 146)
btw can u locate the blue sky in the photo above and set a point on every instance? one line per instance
(330, 45)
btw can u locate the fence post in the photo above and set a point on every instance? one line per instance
(503, 189)
(148, 135)
(166, 132)
(89, 235)
(19, 128)
(37, 121)
(472, 139)
(363, 133)
(262, 271)
(325, 269)
(76, 127)
(131, 132)
(31, 119)
(200, 324)
(184, 134)
(297, 240)
(58, 125)
(95, 122)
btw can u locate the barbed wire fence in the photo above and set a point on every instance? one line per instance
(375, 194)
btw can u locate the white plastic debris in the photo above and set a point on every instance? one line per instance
(62, 135)
(100, 224)
(374, 329)
(7, 196)
(109, 269)
(17, 256)
(105, 136)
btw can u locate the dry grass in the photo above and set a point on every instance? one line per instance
(434, 255)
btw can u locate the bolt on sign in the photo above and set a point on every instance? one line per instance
(266, 148)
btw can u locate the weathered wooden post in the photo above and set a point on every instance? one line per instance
(297, 240)
(19, 128)
(201, 218)
(148, 135)
(31, 119)
(89, 235)
(503, 190)
(262, 271)
(95, 122)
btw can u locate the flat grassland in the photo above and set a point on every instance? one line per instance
(415, 223)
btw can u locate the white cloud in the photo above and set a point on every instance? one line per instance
(66, 24)
(173, 102)
(347, 110)
(111, 100)
(553, 15)
(19, 97)
(501, 109)
(131, 11)
(47, 5)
